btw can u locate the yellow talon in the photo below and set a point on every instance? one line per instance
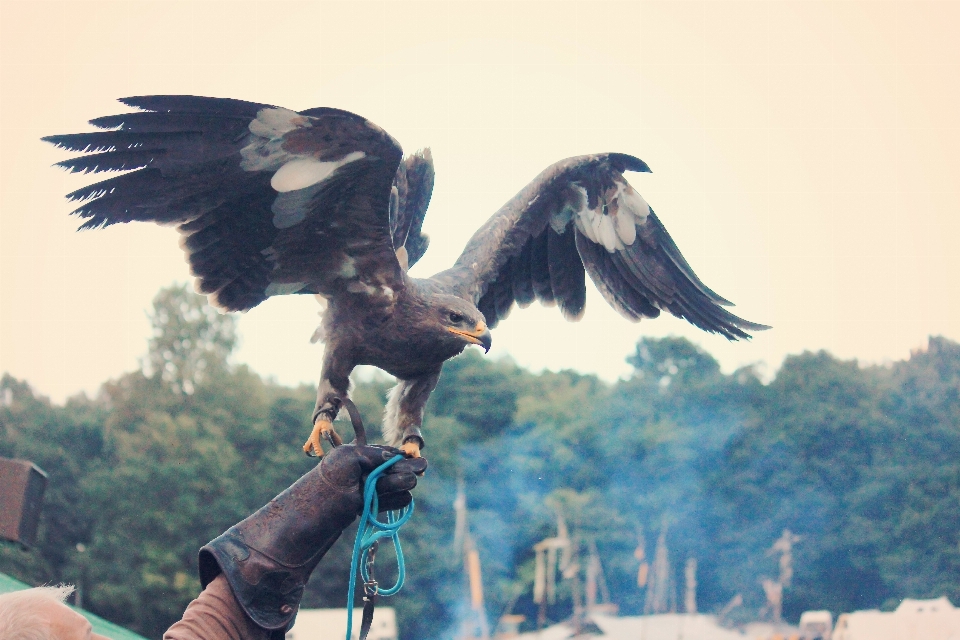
(321, 429)
(411, 449)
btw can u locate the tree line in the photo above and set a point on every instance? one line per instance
(861, 462)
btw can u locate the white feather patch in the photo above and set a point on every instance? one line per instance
(263, 155)
(614, 224)
(283, 288)
(360, 287)
(276, 121)
(584, 216)
(319, 332)
(304, 172)
(265, 151)
(635, 204)
(595, 220)
(403, 258)
(300, 174)
(626, 227)
(391, 418)
(585, 224)
(348, 268)
(606, 233)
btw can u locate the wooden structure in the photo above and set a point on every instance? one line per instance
(22, 485)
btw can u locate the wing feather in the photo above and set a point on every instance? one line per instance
(580, 216)
(628, 272)
(615, 290)
(503, 296)
(488, 307)
(566, 273)
(120, 140)
(221, 126)
(522, 283)
(116, 161)
(228, 107)
(268, 201)
(414, 186)
(540, 269)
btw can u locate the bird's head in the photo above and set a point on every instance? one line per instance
(461, 321)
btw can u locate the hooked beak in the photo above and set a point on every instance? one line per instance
(480, 335)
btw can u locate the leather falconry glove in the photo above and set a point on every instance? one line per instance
(268, 557)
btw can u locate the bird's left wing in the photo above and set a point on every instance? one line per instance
(581, 216)
(268, 201)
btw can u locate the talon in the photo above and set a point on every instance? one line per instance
(331, 436)
(321, 429)
(411, 449)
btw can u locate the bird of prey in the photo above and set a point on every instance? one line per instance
(270, 201)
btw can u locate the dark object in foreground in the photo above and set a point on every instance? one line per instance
(269, 201)
(268, 557)
(22, 485)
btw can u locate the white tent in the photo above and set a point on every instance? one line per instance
(331, 624)
(913, 620)
(667, 626)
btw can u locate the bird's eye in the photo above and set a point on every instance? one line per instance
(456, 318)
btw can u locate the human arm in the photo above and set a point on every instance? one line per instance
(264, 562)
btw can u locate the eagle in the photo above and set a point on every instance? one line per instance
(270, 201)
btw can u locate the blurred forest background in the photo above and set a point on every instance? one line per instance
(862, 462)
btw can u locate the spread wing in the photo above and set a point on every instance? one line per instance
(579, 217)
(268, 201)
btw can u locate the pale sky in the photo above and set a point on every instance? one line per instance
(806, 159)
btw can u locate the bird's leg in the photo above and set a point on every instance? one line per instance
(404, 415)
(411, 448)
(330, 396)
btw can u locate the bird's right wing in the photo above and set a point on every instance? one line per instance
(409, 200)
(268, 201)
(581, 216)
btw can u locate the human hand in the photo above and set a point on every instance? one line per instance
(347, 467)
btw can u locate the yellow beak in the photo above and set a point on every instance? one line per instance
(480, 335)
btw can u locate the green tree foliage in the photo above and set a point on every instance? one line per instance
(191, 340)
(861, 462)
(813, 438)
(159, 463)
(673, 360)
(68, 443)
(908, 508)
(480, 395)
